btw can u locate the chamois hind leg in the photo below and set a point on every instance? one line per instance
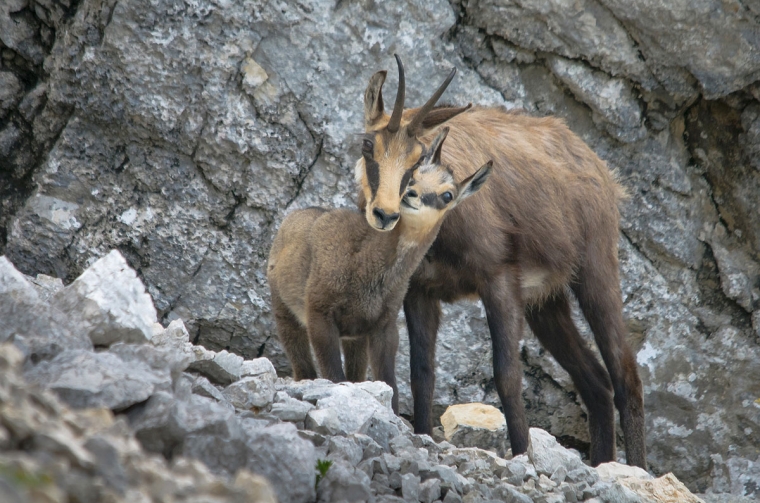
(502, 300)
(383, 346)
(423, 315)
(325, 339)
(355, 358)
(294, 340)
(600, 299)
(553, 325)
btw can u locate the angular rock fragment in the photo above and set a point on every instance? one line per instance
(161, 359)
(251, 392)
(343, 482)
(324, 421)
(39, 330)
(84, 379)
(410, 487)
(46, 286)
(346, 449)
(285, 459)
(547, 455)
(53, 454)
(475, 425)
(381, 429)
(257, 366)
(430, 490)
(613, 470)
(665, 489)
(203, 387)
(221, 368)
(164, 421)
(110, 302)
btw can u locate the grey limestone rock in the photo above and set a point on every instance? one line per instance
(249, 392)
(290, 409)
(380, 429)
(222, 367)
(410, 487)
(39, 330)
(46, 286)
(287, 461)
(85, 379)
(610, 98)
(111, 302)
(165, 420)
(203, 387)
(548, 456)
(346, 449)
(430, 490)
(324, 421)
(343, 483)
(55, 454)
(452, 497)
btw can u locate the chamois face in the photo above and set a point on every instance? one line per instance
(384, 171)
(391, 151)
(433, 191)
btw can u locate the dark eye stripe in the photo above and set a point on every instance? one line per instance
(429, 199)
(373, 174)
(405, 181)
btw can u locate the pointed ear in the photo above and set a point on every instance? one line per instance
(373, 98)
(437, 145)
(438, 116)
(474, 182)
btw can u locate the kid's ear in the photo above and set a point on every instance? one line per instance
(474, 182)
(437, 145)
(373, 98)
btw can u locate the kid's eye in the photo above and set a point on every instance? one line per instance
(367, 146)
(446, 197)
(411, 193)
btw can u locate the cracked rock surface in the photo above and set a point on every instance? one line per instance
(181, 133)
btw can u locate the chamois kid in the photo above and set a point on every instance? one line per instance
(545, 225)
(337, 281)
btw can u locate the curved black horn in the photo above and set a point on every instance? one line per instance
(427, 107)
(398, 107)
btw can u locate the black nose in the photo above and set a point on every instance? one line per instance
(384, 218)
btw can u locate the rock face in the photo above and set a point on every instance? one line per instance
(181, 134)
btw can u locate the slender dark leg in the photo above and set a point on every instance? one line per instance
(553, 325)
(423, 314)
(356, 358)
(504, 310)
(294, 340)
(325, 340)
(598, 292)
(383, 347)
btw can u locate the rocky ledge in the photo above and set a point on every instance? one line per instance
(99, 403)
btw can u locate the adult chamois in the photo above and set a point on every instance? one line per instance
(546, 224)
(336, 281)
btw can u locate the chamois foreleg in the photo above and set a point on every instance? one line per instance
(600, 299)
(356, 358)
(325, 340)
(383, 346)
(423, 315)
(504, 311)
(294, 340)
(553, 325)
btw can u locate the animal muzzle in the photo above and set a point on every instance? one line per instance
(381, 220)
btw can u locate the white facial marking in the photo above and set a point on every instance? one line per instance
(358, 171)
